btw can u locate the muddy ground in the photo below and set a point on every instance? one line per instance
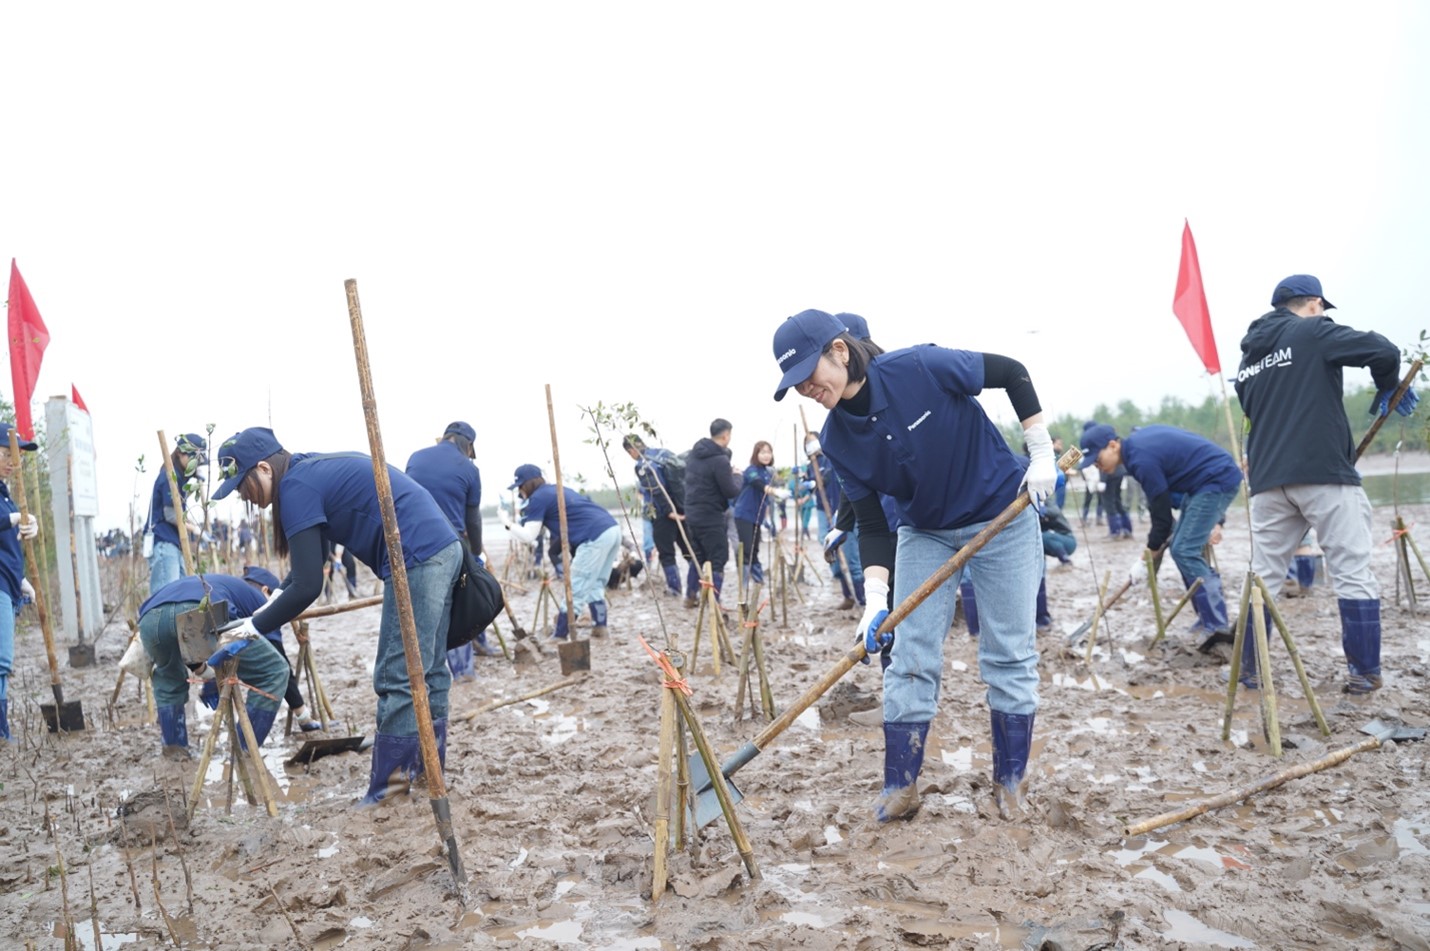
(553, 803)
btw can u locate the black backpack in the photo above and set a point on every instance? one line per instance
(674, 468)
(476, 601)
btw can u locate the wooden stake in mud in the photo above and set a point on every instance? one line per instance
(69, 717)
(412, 652)
(574, 655)
(663, 781)
(328, 610)
(1097, 614)
(1181, 603)
(177, 497)
(308, 671)
(1151, 563)
(532, 695)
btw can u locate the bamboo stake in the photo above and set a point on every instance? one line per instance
(1295, 654)
(498, 704)
(411, 650)
(1237, 795)
(1151, 563)
(1234, 673)
(1097, 614)
(178, 499)
(717, 780)
(246, 728)
(1186, 597)
(327, 610)
(662, 790)
(561, 517)
(40, 590)
(1263, 666)
(684, 795)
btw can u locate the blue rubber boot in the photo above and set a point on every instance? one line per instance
(563, 627)
(1210, 606)
(5, 719)
(1360, 639)
(395, 761)
(757, 572)
(903, 758)
(970, 607)
(717, 578)
(174, 731)
(262, 720)
(1012, 743)
(1250, 676)
(1044, 619)
(692, 586)
(1306, 571)
(461, 661)
(598, 618)
(672, 580)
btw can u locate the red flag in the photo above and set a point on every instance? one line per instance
(74, 398)
(1190, 304)
(28, 339)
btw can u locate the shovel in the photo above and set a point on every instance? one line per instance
(62, 716)
(1380, 732)
(316, 749)
(707, 805)
(575, 655)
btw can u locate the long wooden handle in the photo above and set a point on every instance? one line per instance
(35, 567)
(931, 584)
(330, 609)
(1380, 420)
(561, 517)
(178, 499)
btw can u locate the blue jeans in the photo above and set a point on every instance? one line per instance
(1201, 511)
(8, 611)
(260, 665)
(850, 549)
(1058, 545)
(591, 569)
(166, 565)
(1005, 576)
(429, 584)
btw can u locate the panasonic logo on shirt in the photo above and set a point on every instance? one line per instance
(1276, 358)
(915, 423)
(786, 355)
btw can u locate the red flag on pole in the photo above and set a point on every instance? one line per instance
(74, 398)
(1190, 304)
(28, 339)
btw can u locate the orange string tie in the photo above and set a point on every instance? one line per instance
(673, 680)
(1395, 533)
(706, 584)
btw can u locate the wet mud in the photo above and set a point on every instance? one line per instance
(553, 800)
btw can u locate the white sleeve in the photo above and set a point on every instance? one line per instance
(525, 532)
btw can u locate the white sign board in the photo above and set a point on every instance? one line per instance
(81, 444)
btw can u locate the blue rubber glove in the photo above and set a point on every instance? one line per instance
(208, 694)
(876, 593)
(1405, 407)
(832, 541)
(227, 652)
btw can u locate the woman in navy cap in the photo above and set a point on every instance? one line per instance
(14, 586)
(166, 561)
(906, 424)
(335, 495)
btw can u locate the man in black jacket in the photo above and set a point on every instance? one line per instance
(1301, 458)
(710, 486)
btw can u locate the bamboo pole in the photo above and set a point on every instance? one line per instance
(56, 687)
(532, 695)
(411, 650)
(177, 497)
(1234, 672)
(1269, 717)
(1098, 613)
(561, 517)
(327, 610)
(1295, 654)
(717, 781)
(1182, 602)
(1151, 562)
(663, 790)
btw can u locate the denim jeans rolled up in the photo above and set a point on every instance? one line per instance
(1005, 575)
(429, 586)
(166, 565)
(260, 665)
(1201, 511)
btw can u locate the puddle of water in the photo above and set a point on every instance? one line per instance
(563, 728)
(954, 802)
(327, 852)
(520, 858)
(809, 719)
(1161, 878)
(958, 665)
(960, 759)
(814, 916)
(360, 922)
(1183, 927)
(1064, 680)
(1407, 836)
(560, 932)
(1131, 656)
(832, 836)
(84, 933)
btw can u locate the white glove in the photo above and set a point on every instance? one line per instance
(1137, 573)
(811, 445)
(834, 538)
(273, 595)
(504, 516)
(243, 632)
(781, 494)
(27, 590)
(29, 525)
(1092, 478)
(1042, 476)
(876, 595)
(136, 661)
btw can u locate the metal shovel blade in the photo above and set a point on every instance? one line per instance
(1399, 732)
(316, 749)
(575, 655)
(707, 803)
(197, 631)
(67, 717)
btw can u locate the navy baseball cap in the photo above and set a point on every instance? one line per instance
(192, 444)
(856, 325)
(525, 473)
(260, 575)
(462, 429)
(240, 453)
(1299, 285)
(1095, 439)
(798, 343)
(24, 444)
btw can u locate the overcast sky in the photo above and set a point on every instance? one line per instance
(623, 200)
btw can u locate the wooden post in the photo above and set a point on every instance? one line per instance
(664, 766)
(1263, 664)
(1234, 673)
(561, 516)
(177, 497)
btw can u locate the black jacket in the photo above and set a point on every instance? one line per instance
(710, 483)
(1290, 387)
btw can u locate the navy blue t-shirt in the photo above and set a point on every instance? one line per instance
(926, 442)
(1168, 459)
(158, 499)
(585, 518)
(446, 472)
(338, 491)
(243, 599)
(750, 503)
(12, 555)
